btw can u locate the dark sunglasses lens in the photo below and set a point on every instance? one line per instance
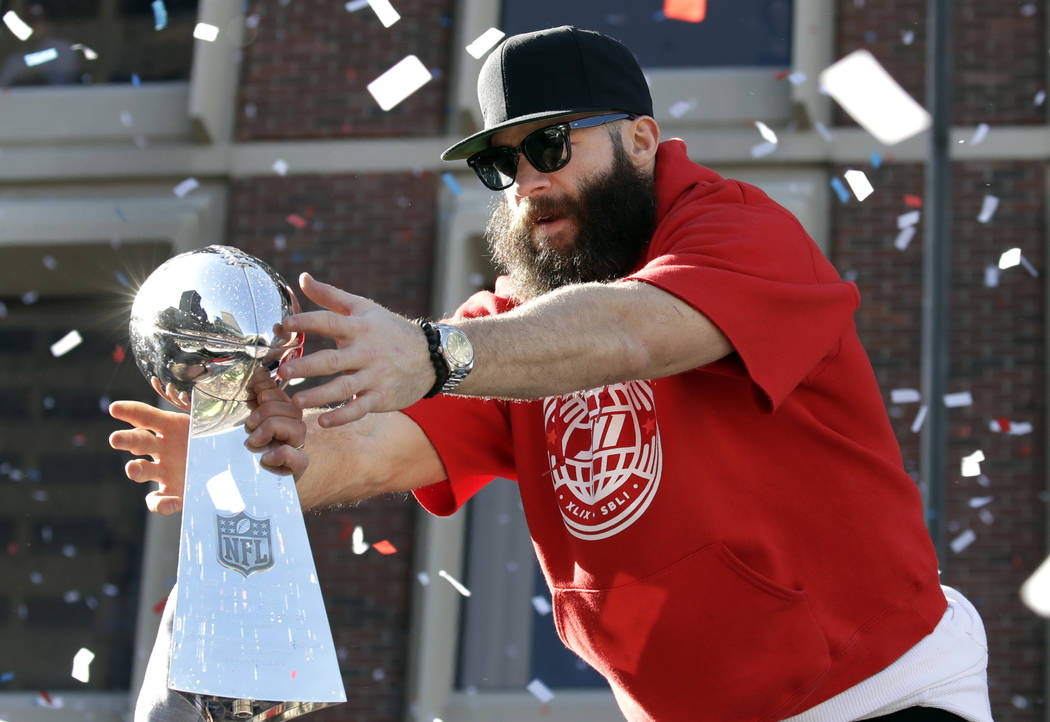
(496, 168)
(547, 149)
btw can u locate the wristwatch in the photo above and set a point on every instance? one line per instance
(458, 353)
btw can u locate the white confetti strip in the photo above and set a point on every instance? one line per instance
(986, 516)
(125, 119)
(17, 26)
(1040, 98)
(976, 502)
(963, 540)
(859, 184)
(908, 219)
(41, 57)
(1029, 267)
(205, 31)
(797, 78)
(81, 661)
(907, 37)
(957, 399)
(66, 344)
(456, 584)
(905, 396)
(354, 5)
(920, 417)
(681, 107)
(766, 132)
(823, 130)
(971, 465)
(1010, 258)
(904, 237)
(991, 276)
(423, 578)
(280, 167)
(1035, 592)
(540, 691)
(49, 262)
(873, 98)
(225, 496)
(385, 12)
(979, 134)
(187, 186)
(762, 149)
(988, 206)
(399, 82)
(541, 604)
(485, 42)
(89, 54)
(357, 542)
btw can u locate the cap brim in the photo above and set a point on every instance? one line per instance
(479, 141)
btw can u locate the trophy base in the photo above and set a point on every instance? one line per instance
(223, 709)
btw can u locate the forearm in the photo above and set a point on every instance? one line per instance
(585, 336)
(378, 454)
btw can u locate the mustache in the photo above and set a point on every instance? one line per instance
(540, 208)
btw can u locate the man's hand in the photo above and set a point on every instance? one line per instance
(277, 423)
(162, 436)
(382, 358)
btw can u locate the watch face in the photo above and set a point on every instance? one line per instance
(459, 349)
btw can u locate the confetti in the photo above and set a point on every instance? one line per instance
(41, 57)
(49, 262)
(160, 15)
(16, 25)
(766, 132)
(45, 700)
(971, 465)
(859, 184)
(354, 5)
(385, 12)
(977, 502)
(907, 37)
(986, 516)
(680, 108)
(204, 31)
(1010, 258)
(136, 80)
(690, 11)
(760, 150)
(903, 238)
(296, 220)
(110, 590)
(378, 674)
(457, 585)
(540, 691)
(1040, 98)
(541, 605)
(912, 201)
(185, 187)
(979, 134)
(920, 417)
(875, 158)
(423, 578)
(1019, 702)
(280, 167)
(280, 243)
(1035, 592)
(908, 219)
(358, 543)
(797, 77)
(823, 130)
(485, 42)
(873, 98)
(963, 540)
(3, 310)
(988, 206)
(384, 547)
(958, 399)
(1014, 428)
(840, 189)
(81, 662)
(225, 496)
(66, 344)
(905, 396)
(399, 82)
(126, 120)
(452, 183)
(7, 677)
(991, 276)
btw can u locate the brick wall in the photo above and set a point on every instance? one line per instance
(997, 333)
(370, 235)
(1000, 54)
(306, 65)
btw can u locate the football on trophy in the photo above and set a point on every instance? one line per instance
(210, 319)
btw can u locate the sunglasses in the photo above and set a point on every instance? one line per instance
(547, 149)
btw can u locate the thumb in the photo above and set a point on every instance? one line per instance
(327, 295)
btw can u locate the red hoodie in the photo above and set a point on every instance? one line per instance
(736, 542)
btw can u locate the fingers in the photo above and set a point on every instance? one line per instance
(144, 416)
(142, 471)
(335, 391)
(163, 504)
(327, 296)
(353, 410)
(284, 459)
(321, 363)
(140, 442)
(286, 430)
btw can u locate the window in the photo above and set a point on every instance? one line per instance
(745, 33)
(98, 42)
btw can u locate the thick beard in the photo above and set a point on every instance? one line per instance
(614, 217)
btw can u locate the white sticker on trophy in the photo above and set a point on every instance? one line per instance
(224, 493)
(396, 84)
(873, 98)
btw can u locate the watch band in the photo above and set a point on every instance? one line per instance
(441, 371)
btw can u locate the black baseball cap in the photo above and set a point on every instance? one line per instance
(554, 73)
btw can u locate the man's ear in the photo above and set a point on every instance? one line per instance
(641, 138)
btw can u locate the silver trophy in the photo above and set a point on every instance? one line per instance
(250, 638)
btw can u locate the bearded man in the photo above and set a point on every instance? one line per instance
(670, 371)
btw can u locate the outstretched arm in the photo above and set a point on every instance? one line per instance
(575, 338)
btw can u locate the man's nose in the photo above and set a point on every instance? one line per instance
(528, 180)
